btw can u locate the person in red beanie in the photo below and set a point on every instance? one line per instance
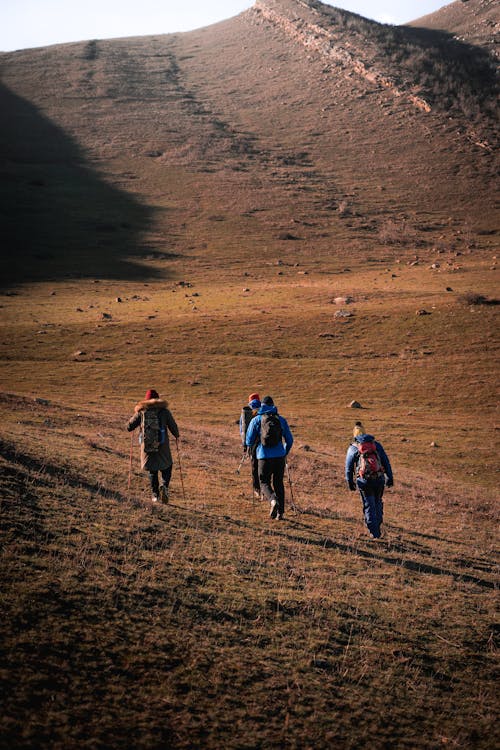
(156, 421)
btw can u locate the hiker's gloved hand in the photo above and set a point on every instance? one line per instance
(389, 483)
(351, 486)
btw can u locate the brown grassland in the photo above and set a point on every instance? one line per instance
(211, 214)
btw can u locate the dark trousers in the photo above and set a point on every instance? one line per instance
(271, 474)
(255, 471)
(373, 507)
(166, 476)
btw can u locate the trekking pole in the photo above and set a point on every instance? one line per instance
(243, 459)
(130, 464)
(180, 468)
(292, 503)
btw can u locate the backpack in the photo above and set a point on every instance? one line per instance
(247, 414)
(271, 431)
(369, 465)
(153, 434)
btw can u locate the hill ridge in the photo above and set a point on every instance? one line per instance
(317, 38)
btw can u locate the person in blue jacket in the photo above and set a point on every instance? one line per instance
(368, 469)
(274, 440)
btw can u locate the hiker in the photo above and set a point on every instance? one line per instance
(268, 429)
(155, 420)
(367, 468)
(247, 414)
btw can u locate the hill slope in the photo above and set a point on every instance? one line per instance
(282, 202)
(199, 625)
(293, 112)
(473, 21)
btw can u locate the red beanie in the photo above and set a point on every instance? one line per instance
(151, 393)
(253, 397)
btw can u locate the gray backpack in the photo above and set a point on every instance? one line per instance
(153, 434)
(271, 431)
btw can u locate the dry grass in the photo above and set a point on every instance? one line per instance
(202, 624)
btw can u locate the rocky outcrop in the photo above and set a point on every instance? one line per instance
(300, 27)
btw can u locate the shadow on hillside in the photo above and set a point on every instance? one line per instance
(59, 217)
(451, 73)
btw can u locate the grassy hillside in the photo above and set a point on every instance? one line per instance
(201, 624)
(260, 205)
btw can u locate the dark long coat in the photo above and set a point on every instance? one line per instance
(162, 458)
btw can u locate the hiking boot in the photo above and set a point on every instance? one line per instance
(164, 494)
(257, 495)
(280, 517)
(274, 508)
(154, 499)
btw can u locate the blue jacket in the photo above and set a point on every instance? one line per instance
(253, 435)
(353, 454)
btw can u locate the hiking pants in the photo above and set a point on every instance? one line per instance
(373, 507)
(254, 462)
(271, 473)
(166, 475)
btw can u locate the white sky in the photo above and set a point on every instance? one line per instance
(37, 23)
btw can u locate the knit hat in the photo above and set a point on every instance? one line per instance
(267, 400)
(358, 429)
(254, 403)
(253, 397)
(151, 393)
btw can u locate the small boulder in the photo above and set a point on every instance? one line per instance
(355, 405)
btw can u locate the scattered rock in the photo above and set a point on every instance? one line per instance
(326, 335)
(449, 289)
(434, 445)
(118, 299)
(106, 316)
(343, 300)
(79, 354)
(43, 401)
(355, 405)
(435, 266)
(343, 314)
(306, 448)
(79, 309)
(246, 289)
(423, 312)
